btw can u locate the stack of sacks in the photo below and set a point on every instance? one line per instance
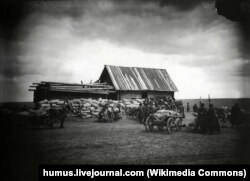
(96, 107)
(45, 104)
(87, 108)
(129, 103)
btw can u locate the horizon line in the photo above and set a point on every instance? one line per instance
(175, 99)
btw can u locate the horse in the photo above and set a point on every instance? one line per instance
(58, 114)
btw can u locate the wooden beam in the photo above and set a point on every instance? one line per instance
(77, 91)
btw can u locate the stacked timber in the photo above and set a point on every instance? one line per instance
(44, 89)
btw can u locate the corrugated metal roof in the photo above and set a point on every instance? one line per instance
(135, 78)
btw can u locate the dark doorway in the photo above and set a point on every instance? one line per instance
(144, 95)
(113, 96)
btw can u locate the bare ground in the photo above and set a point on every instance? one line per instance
(85, 141)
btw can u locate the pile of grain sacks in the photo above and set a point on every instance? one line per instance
(45, 104)
(132, 103)
(87, 108)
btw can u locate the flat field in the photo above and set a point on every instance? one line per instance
(125, 142)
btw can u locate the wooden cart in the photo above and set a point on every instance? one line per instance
(164, 118)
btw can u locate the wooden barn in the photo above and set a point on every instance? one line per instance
(115, 82)
(135, 82)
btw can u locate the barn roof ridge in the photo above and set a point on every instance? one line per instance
(139, 78)
(135, 67)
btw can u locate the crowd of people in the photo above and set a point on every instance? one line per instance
(152, 105)
(207, 121)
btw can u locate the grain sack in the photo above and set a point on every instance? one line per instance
(116, 109)
(115, 102)
(84, 109)
(110, 109)
(102, 104)
(98, 110)
(55, 101)
(111, 105)
(54, 106)
(85, 112)
(76, 100)
(60, 102)
(122, 105)
(94, 105)
(91, 108)
(87, 105)
(45, 105)
(94, 101)
(45, 101)
(95, 114)
(75, 105)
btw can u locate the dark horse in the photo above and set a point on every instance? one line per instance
(58, 114)
(36, 118)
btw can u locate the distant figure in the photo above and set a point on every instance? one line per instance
(145, 112)
(167, 107)
(212, 121)
(195, 108)
(236, 116)
(188, 107)
(200, 124)
(151, 108)
(141, 113)
(182, 111)
(67, 107)
(223, 116)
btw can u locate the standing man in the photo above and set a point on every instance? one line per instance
(201, 120)
(188, 107)
(145, 112)
(182, 111)
(212, 121)
(236, 116)
(195, 108)
(141, 113)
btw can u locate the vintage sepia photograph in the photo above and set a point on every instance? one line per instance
(132, 82)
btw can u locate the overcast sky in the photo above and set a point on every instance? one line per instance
(72, 41)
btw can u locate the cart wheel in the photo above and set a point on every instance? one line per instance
(149, 125)
(160, 127)
(170, 125)
(178, 122)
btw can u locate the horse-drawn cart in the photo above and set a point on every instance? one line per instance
(42, 118)
(164, 118)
